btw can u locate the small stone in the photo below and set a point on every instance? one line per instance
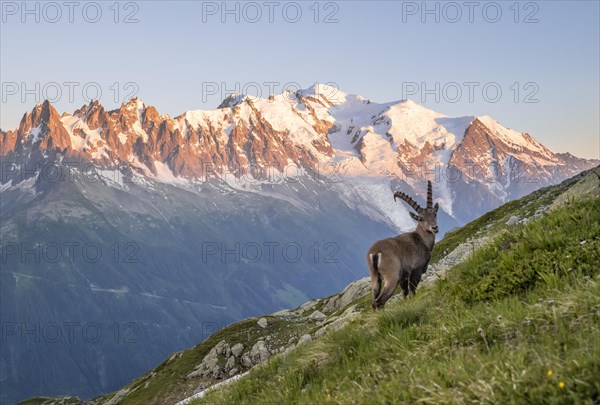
(304, 339)
(317, 316)
(569, 270)
(262, 322)
(233, 372)
(220, 347)
(512, 220)
(246, 360)
(550, 302)
(237, 349)
(259, 352)
(583, 242)
(230, 363)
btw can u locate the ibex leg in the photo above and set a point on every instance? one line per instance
(415, 279)
(375, 285)
(389, 286)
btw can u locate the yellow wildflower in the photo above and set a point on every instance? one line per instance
(561, 384)
(549, 373)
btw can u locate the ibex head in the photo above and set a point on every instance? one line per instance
(426, 217)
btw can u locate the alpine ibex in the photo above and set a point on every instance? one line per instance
(404, 258)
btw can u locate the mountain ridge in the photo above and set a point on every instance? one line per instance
(318, 129)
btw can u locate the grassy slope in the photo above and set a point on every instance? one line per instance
(493, 222)
(525, 330)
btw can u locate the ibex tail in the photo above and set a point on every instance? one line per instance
(376, 260)
(374, 264)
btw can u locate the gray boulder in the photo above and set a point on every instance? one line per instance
(230, 363)
(246, 360)
(512, 220)
(237, 349)
(259, 352)
(304, 339)
(317, 316)
(353, 291)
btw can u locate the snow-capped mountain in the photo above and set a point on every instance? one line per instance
(156, 231)
(476, 162)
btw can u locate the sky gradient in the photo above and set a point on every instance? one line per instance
(542, 56)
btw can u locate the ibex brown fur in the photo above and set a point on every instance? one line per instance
(404, 258)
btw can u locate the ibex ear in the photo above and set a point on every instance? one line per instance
(414, 216)
(436, 207)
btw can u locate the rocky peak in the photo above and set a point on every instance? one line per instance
(40, 132)
(40, 114)
(325, 94)
(86, 108)
(41, 117)
(134, 103)
(233, 100)
(93, 114)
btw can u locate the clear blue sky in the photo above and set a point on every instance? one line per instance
(177, 50)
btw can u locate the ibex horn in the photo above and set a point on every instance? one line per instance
(429, 195)
(408, 200)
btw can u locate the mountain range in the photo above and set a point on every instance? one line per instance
(321, 130)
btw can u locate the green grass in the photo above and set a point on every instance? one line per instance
(511, 325)
(494, 221)
(567, 241)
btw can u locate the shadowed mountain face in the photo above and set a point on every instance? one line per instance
(127, 235)
(100, 283)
